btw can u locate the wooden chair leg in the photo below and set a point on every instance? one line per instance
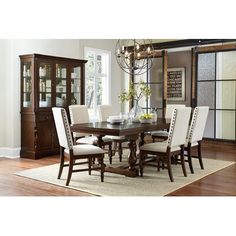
(62, 158)
(183, 162)
(101, 162)
(200, 155)
(120, 152)
(89, 165)
(169, 167)
(69, 171)
(141, 160)
(110, 153)
(190, 159)
(158, 164)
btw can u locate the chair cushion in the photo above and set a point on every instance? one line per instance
(158, 147)
(114, 138)
(92, 140)
(80, 150)
(161, 133)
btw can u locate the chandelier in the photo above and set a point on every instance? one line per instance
(134, 56)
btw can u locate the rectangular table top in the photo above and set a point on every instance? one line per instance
(123, 129)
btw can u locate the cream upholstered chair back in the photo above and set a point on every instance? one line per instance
(198, 124)
(104, 111)
(78, 115)
(179, 127)
(170, 108)
(62, 127)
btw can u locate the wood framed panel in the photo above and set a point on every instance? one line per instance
(215, 86)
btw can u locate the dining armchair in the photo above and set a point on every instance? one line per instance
(163, 134)
(163, 151)
(195, 135)
(104, 111)
(78, 115)
(74, 152)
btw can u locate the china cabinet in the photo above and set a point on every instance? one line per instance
(46, 82)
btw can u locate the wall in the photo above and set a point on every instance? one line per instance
(10, 73)
(3, 49)
(182, 59)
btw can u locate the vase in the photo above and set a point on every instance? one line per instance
(135, 112)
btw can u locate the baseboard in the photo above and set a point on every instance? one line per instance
(9, 152)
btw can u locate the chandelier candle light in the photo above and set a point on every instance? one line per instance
(134, 56)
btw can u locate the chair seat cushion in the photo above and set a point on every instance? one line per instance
(116, 138)
(81, 150)
(92, 140)
(158, 147)
(161, 133)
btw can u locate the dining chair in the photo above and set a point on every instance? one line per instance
(104, 111)
(163, 134)
(78, 115)
(74, 152)
(163, 151)
(195, 135)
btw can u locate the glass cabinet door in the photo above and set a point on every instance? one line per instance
(61, 78)
(27, 84)
(75, 85)
(45, 85)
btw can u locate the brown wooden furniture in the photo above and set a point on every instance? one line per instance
(173, 147)
(131, 131)
(46, 81)
(74, 152)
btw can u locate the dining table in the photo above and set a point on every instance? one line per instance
(132, 131)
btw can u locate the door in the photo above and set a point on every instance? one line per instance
(216, 88)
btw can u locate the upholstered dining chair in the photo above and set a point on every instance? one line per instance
(173, 146)
(104, 111)
(74, 152)
(78, 115)
(163, 134)
(195, 135)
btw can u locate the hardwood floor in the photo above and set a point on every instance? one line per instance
(221, 183)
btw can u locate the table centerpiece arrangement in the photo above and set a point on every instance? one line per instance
(135, 93)
(146, 118)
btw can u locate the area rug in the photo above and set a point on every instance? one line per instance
(153, 183)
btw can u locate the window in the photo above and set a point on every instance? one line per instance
(154, 79)
(216, 88)
(97, 79)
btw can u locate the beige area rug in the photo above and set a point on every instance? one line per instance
(152, 184)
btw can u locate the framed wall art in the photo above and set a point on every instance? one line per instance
(176, 84)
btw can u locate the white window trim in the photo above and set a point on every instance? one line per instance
(101, 51)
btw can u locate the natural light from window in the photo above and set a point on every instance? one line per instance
(97, 79)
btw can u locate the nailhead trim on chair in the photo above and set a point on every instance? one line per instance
(193, 124)
(67, 128)
(169, 140)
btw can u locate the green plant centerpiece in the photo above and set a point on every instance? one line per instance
(135, 93)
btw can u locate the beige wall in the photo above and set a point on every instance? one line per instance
(10, 74)
(3, 54)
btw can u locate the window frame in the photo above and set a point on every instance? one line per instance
(96, 52)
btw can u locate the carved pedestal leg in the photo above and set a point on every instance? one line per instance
(132, 158)
(142, 136)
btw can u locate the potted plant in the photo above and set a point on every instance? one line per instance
(135, 93)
